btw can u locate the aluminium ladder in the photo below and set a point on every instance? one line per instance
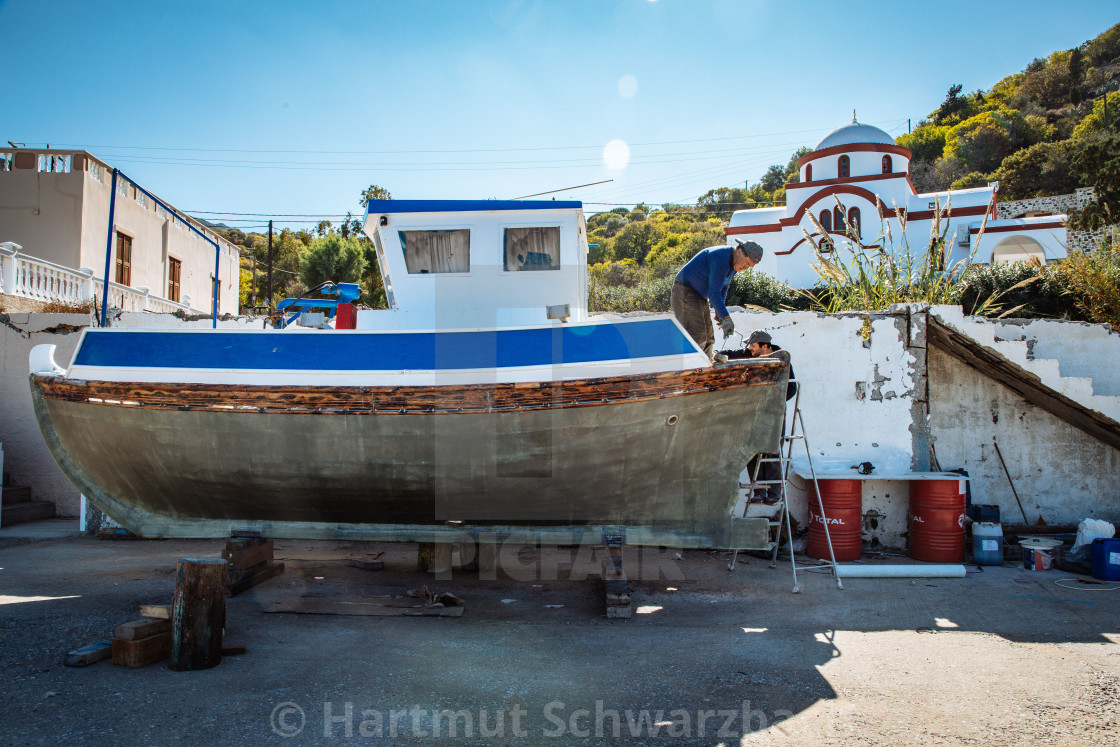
(785, 458)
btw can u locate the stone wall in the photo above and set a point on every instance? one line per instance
(1082, 241)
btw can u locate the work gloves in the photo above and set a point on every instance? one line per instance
(727, 326)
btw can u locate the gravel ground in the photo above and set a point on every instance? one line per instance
(1001, 657)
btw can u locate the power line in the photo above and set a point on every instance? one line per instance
(452, 150)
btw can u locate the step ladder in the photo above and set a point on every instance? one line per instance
(780, 515)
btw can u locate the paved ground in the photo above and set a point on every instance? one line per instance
(1002, 657)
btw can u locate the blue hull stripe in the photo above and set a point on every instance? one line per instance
(383, 351)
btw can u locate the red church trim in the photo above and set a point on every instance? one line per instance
(853, 148)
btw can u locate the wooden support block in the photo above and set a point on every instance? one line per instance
(487, 558)
(366, 564)
(468, 555)
(198, 613)
(249, 580)
(246, 553)
(615, 599)
(137, 629)
(156, 611)
(620, 612)
(434, 557)
(143, 651)
(91, 654)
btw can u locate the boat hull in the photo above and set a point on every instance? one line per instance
(659, 453)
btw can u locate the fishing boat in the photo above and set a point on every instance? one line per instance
(485, 399)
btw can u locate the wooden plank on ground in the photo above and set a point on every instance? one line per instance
(91, 654)
(366, 564)
(156, 611)
(367, 606)
(142, 652)
(137, 629)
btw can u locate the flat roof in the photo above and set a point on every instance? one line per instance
(464, 206)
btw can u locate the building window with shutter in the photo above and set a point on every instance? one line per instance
(809, 172)
(838, 219)
(826, 220)
(853, 221)
(124, 259)
(174, 278)
(888, 166)
(844, 167)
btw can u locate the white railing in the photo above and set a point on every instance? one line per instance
(40, 280)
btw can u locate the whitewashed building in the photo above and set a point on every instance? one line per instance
(54, 231)
(857, 176)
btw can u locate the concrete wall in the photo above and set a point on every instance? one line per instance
(42, 212)
(1059, 472)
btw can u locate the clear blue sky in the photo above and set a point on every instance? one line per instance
(295, 107)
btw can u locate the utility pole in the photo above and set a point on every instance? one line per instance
(270, 266)
(907, 125)
(253, 285)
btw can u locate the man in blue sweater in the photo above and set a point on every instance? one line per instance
(705, 279)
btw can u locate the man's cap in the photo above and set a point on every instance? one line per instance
(763, 338)
(751, 249)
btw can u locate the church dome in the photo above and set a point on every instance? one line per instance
(854, 133)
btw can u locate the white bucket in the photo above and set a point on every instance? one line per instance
(1039, 553)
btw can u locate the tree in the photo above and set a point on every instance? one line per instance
(954, 108)
(1040, 170)
(1099, 162)
(774, 178)
(636, 240)
(333, 258)
(374, 192)
(1076, 71)
(926, 143)
(351, 226)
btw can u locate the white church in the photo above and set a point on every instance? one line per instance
(840, 181)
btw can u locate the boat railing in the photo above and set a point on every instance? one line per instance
(42, 280)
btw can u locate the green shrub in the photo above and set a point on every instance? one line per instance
(756, 289)
(1042, 298)
(649, 295)
(1092, 282)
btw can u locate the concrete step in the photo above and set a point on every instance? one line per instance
(21, 513)
(16, 495)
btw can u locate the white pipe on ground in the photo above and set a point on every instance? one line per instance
(900, 571)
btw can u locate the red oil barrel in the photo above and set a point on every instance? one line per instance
(937, 521)
(843, 510)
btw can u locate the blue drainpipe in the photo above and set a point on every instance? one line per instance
(176, 213)
(108, 254)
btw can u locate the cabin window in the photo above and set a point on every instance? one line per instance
(808, 172)
(535, 248)
(124, 260)
(174, 278)
(826, 220)
(888, 166)
(844, 167)
(853, 221)
(838, 219)
(431, 252)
